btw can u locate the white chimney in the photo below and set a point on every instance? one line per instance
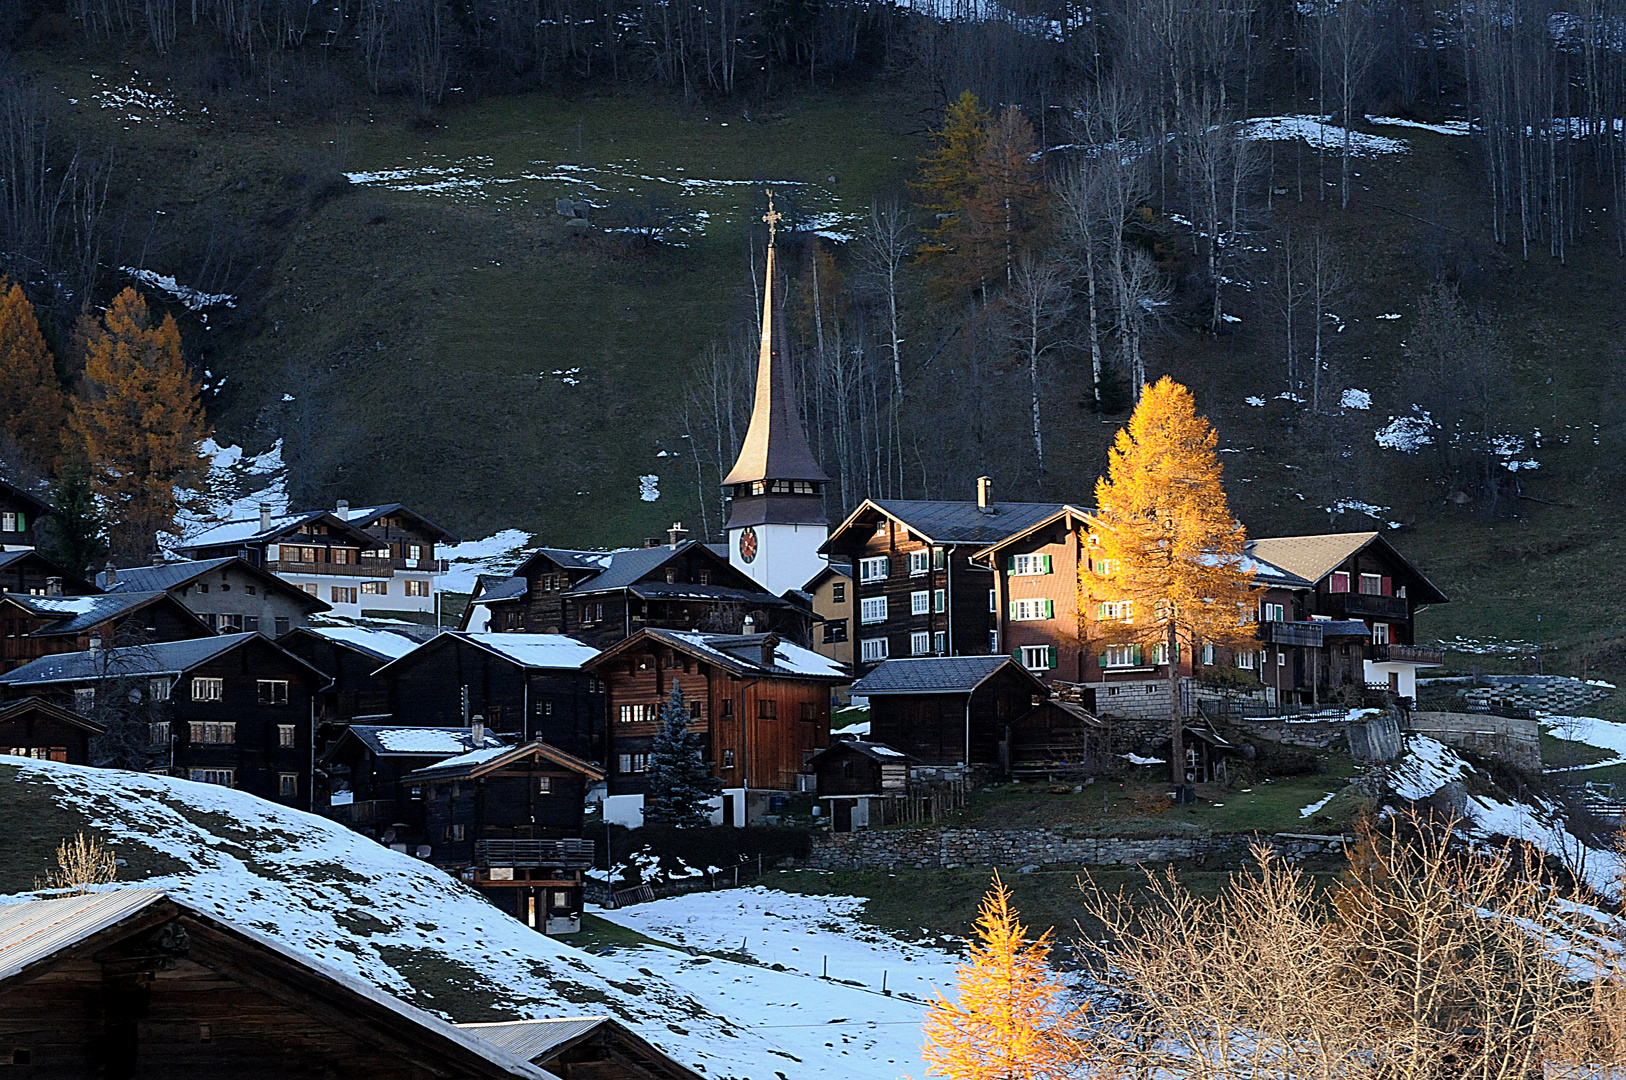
(985, 494)
(344, 510)
(675, 535)
(265, 518)
(477, 732)
(95, 643)
(749, 626)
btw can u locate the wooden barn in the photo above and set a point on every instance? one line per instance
(950, 710)
(854, 776)
(36, 728)
(134, 983)
(366, 768)
(583, 1048)
(508, 820)
(36, 626)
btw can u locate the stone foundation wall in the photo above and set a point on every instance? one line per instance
(891, 849)
(1515, 741)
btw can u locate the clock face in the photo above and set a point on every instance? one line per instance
(748, 544)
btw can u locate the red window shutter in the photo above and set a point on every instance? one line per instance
(1388, 585)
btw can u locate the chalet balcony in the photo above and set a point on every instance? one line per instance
(1367, 606)
(333, 569)
(370, 812)
(561, 853)
(434, 566)
(1291, 633)
(1407, 654)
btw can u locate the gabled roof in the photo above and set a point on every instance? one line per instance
(739, 654)
(879, 751)
(490, 588)
(937, 675)
(612, 571)
(1067, 510)
(163, 658)
(77, 614)
(543, 1041)
(248, 531)
(17, 493)
(13, 710)
(477, 763)
(173, 575)
(384, 740)
(363, 516)
(625, 568)
(9, 559)
(947, 522)
(539, 651)
(834, 569)
(1314, 557)
(381, 645)
(36, 935)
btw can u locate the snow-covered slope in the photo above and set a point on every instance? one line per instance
(423, 936)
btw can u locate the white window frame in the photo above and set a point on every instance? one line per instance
(1117, 657)
(158, 733)
(1032, 610)
(1116, 611)
(874, 568)
(287, 736)
(158, 689)
(1208, 654)
(1380, 633)
(872, 649)
(920, 602)
(871, 610)
(212, 733)
(205, 688)
(993, 601)
(288, 785)
(1375, 580)
(11, 521)
(920, 643)
(939, 600)
(1036, 657)
(223, 777)
(920, 562)
(1272, 612)
(268, 691)
(940, 642)
(417, 587)
(1246, 660)
(375, 588)
(1031, 564)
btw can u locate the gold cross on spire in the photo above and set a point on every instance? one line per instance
(772, 217)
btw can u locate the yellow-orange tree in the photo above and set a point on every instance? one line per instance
(951, 174)
(140, 422)
(32, 405)
(1168, 554)
(1011, 1020)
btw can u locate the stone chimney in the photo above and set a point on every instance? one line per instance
(675, 535)
(158, 558)
(265, 518)
(343, 511)
(110, 575)
(53, 586)
(477, 731)
(95, 643)
(985, 495)
(770, 650)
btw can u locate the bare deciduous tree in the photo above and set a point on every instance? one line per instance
(1038, 301)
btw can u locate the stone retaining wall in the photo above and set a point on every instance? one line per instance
(890, 849)
(1514, 741)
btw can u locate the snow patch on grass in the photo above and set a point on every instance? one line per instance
(1356, 399)
(1590, 731)
(498, 553)
(1407, 434)
(649, 487)
(1450, 127)
(1319, 134)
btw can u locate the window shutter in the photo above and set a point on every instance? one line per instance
(1013, 610)
(1016, 654)
(1050, 653)
(1176, 652)
(1049, 605)
(1135, 657)
(1388, 585)
(1010, 564)
(1048, 566)
(1100, 611)
(1101, 660)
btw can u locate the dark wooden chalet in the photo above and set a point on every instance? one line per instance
(852, 773)
(508, 820)
(303, 542)
(26, 571)
(350, 656)
(602, 597)
(760, 705)
(20, 517)
(529, 686)
(408, 536)
(954, 710)
(231, 595)
(135, 983)
(588, 1047)
(365, 769)
(36, 728)
(36, 626)
(232, 709)
(496, 605)
(919, 590)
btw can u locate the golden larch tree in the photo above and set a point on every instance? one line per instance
(140, 422)
(32, 404)
(1010, 1020)
(1007, 212)
(950, 174)
(1170, 567)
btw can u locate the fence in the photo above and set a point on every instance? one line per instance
(727, 877)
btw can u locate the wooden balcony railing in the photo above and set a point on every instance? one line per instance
(355, 569)
(561, 853)
(1407, 654)
(1369, 606)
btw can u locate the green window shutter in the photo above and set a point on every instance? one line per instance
(1136, 659)
(1016, 654)
(1013, 610)
(1100, 611)
(1101, 660)
(1176, 652)
(1048, 566)
(1050, 658)
(1049, 606)
(1010, 564)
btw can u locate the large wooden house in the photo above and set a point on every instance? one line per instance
(365, 768)
(508, 820)
(20, 517)
(760, 705)
(231, 595)
(36, 728)
(230, 709)
(35, 626)
(350, 657)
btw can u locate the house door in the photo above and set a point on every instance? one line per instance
(728, 808)
(530, 909)
(843, 811)
(1394, 683)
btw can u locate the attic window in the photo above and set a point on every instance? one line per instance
(671, 575)
(880, 527)
(705, 577)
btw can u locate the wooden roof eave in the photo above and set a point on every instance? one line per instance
(1065, 512)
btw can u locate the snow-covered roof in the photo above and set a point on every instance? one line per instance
(241, 530)
(552, 651)
(79, 613)
(878, 750)
(383, 644)
(541, 1041)
(389, 741)
(743, 653)
(163, 658)
(477, 762)
(362, 516)
(169, 575)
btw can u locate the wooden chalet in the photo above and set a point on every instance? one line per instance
(35, 626)
(760, 705)
(919, 590)
(230, 709)
(496, 605)
(231, 595)
(366, 767)
(508, 820)
(952, 710)
(37, 728)
(854, 778)
(585, 1047)
(26, 571)
(350, 656)
(528, 686)
(602, 597)
(20, 517)
(133, 983)
(408, 536)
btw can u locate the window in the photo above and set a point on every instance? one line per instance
(592, 613)
(872, 610)
(544, 785)
(703, 577)
(993, 601)
(1371, 584)
(309, 587)
(880, 527)
(939, 559)
(1032, 610)
(375, 588)
(728, 759)
(414, 551)
(810, 711)
(223, 777)
(838, 592)
(920, 603)
(282, 625)
(10, 522)
(694, 710)
(285, 736)
(208, 689)
(728, 708)
(634, 763)
(1121, 656)
(417, 588)
(342, 594)
(1380, 633)
(251, 623)
(939, 600)
(636, 714)
(1281, 657)
(872, 569)
(1208, 653)
(1160, 653)
(835, 631)
(1339, 582)
(872, 649)
(203, 587)
(920, 643)
(210, 733)
(158, 734)
(1106, 567)
(341, 555)
(1029, 564)
(454, 833)
(84, 700)
(767, 710)
(920, 562)
(1116, 611)
(1245, 659)
(1272, 612)
(158, 689)
(940, 642)
(1038, 657)
(229, 624)
(287, 784)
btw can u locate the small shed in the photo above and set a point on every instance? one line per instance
(1059, 740)
(855, 774)
(950, 710)
(583, 1046)
(35, 728)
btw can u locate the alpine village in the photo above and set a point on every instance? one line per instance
(858, 539)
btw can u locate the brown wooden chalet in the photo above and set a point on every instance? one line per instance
(952, 710)
(28, 572)
(408, 536)
(20, 517)
(919, 592)
(36, 626)
(135, 983)
(304, 542)
(760, 705)
(231, 594)
(229, 709)
(585, 1047)
(529, 686)
(350, 657)
(508, 820)
(365, 769)
(602, 597)
(852, 774)
(36, 728)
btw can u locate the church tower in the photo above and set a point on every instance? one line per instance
(776, 524)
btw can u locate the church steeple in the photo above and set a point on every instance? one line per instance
(776, 523)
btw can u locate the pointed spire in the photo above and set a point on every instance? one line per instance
(775, 446)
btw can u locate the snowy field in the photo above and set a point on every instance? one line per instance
(418, 933)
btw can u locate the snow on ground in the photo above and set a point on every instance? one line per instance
(498, 553)
(1450, 127)
(413, 930)
(1592, 731)
(236, 486)
(1407, 434)
(1488, 646)
(649, 487)
(1315, 808)
(1319, 134)
(1255, 401)
(1356, 399)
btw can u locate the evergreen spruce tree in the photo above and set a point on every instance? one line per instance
(680, 783)
(76, 529)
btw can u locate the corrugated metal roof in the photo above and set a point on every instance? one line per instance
(624, 568)
(381, 644)
(931, 675)
(536, 1040)
(160, 578)
(946, 522)
(163, 658)
(39, 929)
(499, 589)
